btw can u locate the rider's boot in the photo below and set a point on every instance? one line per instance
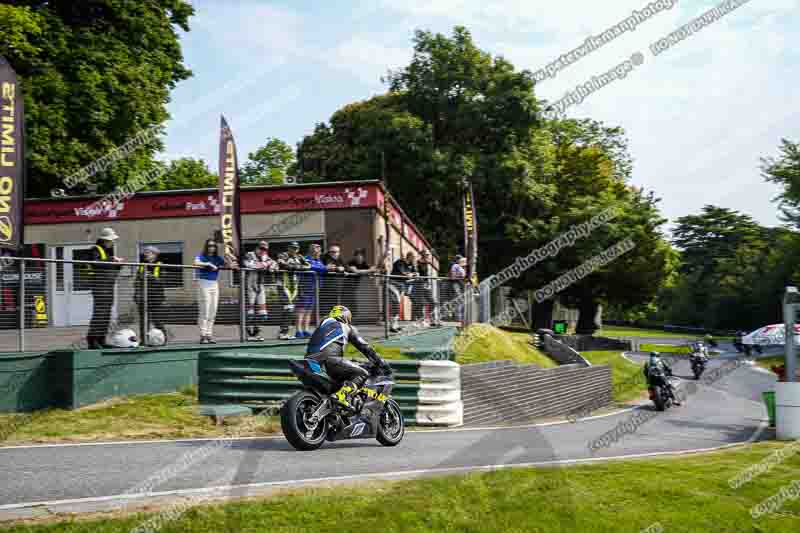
(345, 394)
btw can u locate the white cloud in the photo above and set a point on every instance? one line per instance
(698, 116)
(367, 58)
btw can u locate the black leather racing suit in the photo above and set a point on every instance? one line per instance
(327, 346)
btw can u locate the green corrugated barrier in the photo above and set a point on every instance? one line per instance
(259, 380)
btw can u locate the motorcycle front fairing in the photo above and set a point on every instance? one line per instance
(365, 424)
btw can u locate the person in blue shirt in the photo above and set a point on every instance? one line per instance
(207, 282)
(306, 301)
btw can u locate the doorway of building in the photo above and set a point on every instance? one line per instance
(72, 299)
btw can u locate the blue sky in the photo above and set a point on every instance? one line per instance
(698, 116)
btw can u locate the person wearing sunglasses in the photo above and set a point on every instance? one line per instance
(207, 275)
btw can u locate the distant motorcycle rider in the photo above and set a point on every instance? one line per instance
(327, 346)
(699, 352)
(657, 371)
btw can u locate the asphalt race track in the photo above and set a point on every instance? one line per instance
(39, 478)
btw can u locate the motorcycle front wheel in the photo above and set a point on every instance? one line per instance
(296, 424)
(391, 425)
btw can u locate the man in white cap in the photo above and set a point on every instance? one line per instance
(102, 278)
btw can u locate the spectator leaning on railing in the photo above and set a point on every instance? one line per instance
(457, 275)
(307, 300)
(260, 274)
(150, 269)
(289, 283)
(404, 271)
(334, 279)
(102, 279)
(423, 294)
(358, 268)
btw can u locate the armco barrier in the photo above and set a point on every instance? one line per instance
(561, 352)
(429, 392)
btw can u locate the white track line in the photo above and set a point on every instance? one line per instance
(386, 475)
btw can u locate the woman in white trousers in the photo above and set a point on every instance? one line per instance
(207, 282)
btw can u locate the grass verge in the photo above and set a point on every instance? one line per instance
(665, 348)
(151, 416)
(682, 495)
(627, 379)
(387, 352)
(620, 331)
(483, 342)
(769, 362)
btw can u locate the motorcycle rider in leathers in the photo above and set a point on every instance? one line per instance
(656, 371)
(327, 346)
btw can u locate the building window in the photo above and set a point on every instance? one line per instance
(171, 254)
(60, 269)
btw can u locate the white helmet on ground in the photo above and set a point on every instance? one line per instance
(156, 337)
(124, 338)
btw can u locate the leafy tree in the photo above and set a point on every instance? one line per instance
(94, 74)
(185, 173)
(456, 112)
(785, 171)
(268, 165)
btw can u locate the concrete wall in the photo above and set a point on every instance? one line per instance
(503, 391)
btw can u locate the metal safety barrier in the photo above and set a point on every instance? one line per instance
(428, 392)
(69, 303)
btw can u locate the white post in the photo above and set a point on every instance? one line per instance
(787, 394)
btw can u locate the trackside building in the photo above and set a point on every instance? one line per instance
(350, 214)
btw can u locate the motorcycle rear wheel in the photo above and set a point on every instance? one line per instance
(295, 424)
(391, 425)
(658, 399)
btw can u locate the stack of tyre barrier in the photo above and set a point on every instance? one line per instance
(429, 392)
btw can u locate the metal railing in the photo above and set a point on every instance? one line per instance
(72, 303)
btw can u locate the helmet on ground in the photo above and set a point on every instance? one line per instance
(156, 337)
(124, 338)
(341, 313)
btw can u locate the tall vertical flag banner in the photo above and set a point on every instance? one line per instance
(230, 204)
(470, 233)
(387, 240)
(12, 159)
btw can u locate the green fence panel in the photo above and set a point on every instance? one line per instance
(24, 382)
(246, 378)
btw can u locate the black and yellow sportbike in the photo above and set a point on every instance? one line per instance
(310, 416)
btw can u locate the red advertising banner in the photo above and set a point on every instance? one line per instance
(201, 203)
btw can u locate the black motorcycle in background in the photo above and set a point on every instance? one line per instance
(698, 361)
(310, 417)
